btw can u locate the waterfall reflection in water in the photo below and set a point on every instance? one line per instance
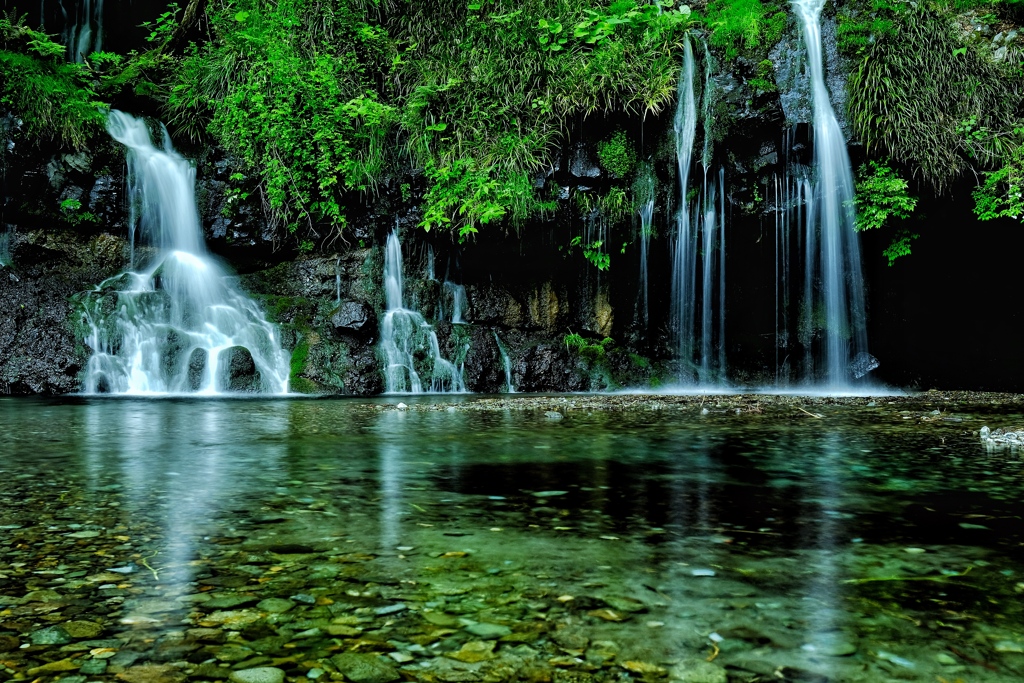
(673, 532)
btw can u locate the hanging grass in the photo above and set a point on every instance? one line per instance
(928, 100)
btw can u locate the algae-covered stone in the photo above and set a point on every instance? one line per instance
(45, 595)
(362, 668)
(488, 631)
(82, 629)
(209, 670)
(93, 667)
(474, 651)
(260, 674)
(53, 667)
(51, 635)
(152, 673)
(275, 605)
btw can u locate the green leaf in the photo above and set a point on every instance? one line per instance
(241, 16)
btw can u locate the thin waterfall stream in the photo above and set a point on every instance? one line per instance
(833, 285)
(180, 325)
(698, 266)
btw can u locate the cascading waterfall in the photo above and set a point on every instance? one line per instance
(507, 363)
(405, 334)
(700, 235)
(181, 325)
(834, 291)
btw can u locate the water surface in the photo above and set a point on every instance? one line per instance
(868, 544)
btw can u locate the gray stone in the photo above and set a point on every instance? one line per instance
(51, 635)
(242, 373)
(363, 668)
(695, 670)
(488, 631)
(260, 674)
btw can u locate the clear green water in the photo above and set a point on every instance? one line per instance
(457, 545)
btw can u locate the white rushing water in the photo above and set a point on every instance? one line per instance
(698, 265)
(406, 336)
(833, 286)
(180, 325)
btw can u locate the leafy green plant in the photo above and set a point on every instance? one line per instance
(617, 155)
(54, 99)
(764, 77)
(71, 209)
(861, 24)
(739, 26)
(594, 252)
(288, 89)
(1001, 195)
(591, 350)
(883, 196)
(484, 95)
(161, 28)
(900, 245)
(911, 99)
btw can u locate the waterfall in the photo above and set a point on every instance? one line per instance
(457, 295)
(505, 361)
(700, 235)
(685, 248)
(834, 291)
(430, 262)
(337, 281)
(646, 214)
(405, 334)
(181, 325)
(83, 34)
(5, 248)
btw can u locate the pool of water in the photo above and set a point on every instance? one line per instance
(168, 540)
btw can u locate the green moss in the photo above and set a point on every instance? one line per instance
(296, 382)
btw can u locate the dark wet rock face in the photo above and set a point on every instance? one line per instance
(353, 316)
(548, 365)
(41, 350)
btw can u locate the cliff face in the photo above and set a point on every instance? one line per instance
(522, 294)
